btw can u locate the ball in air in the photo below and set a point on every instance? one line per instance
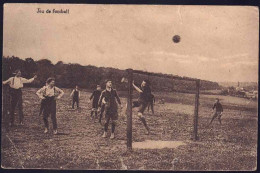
(176, 39)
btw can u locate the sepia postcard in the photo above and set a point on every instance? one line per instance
(130, 87)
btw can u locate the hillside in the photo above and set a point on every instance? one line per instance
(69, 75)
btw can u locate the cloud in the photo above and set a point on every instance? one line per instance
(237, 56)
(238, 63)
(183, 58)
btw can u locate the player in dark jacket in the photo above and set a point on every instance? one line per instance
(143, 101)
(95, 96)
(109, 98)
(217, 109)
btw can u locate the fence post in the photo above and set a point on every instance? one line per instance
(129, 109)
(196, 111)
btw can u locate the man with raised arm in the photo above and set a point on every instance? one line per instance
(16, 85)
(143, 101)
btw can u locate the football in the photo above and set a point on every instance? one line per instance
(176, 39)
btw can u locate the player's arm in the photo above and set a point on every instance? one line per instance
(39, 93)
(8, 81)
(79, 94)
(72, 93)
(60, 91)
(28, 80)
(136, 88)
(214, 106)
(92, 95)
(100, 99)
(117, 98)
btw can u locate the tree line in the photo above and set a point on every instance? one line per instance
(69, 75)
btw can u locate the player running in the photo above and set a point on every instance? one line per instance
(217, 112)
(109, 97)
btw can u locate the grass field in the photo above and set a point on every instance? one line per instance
(231, 146)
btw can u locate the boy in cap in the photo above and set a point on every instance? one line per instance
(217, 112)
(75, 94)
(16, 85)
(95, 96)
(109, 98)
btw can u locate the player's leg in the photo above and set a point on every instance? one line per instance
(20, 107)
(213, 117)
(96, 113)
(141, 116)
(77, 102)
(107, 116)
(219, 117)
(113, 129)
(152, 108)
(45, 119)
(53, 117)
(14, 101)
(73, 103)
(41, 108)
(101, 112)
(93, 108)
(92, 111)
(114, 120)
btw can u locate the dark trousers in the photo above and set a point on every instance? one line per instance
(75, 100)
(101, 112)
(41, 108)
(50, 109)
(151, 104)
(16, 99)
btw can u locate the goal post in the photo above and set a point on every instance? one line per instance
(130, 73)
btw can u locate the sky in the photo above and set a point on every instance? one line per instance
(218, 43)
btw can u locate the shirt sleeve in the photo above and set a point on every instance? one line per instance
(60, 91)
(221, 108)
(79, 94)
(27, 80)
(8, 81)
(117, 98)
(40, 92)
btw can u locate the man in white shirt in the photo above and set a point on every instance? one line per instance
(16, 85)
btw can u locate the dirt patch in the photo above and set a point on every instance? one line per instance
(149, 144)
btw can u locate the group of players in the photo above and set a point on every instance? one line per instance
(105, 101)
